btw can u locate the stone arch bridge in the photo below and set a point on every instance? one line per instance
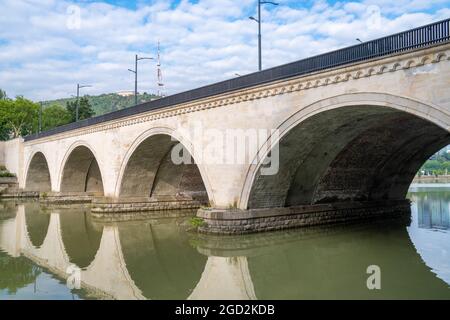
(327, 138)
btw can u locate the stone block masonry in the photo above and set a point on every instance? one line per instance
(104, 207)
(259, 220)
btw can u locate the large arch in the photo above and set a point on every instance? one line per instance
(148, 169)
(348, 148)
(81, 172)
(38, 174)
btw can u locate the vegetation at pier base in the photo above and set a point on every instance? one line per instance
(6, 174)
(196, 222)
(438, 164)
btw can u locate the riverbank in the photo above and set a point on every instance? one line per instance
(432, 179)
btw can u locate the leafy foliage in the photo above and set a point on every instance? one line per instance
(6, 174)
(105, 103)
(197, 222)
(17, 117)
(85, 110)
(54, 116)
(438, 164)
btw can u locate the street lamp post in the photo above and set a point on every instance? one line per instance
(135, 71)
(78, 97)
(40, 117)
(259, 29)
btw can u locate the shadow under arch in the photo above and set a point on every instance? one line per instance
(160, 259)
(38, 174)
(149, 171)
(80, 171)
(354, 147)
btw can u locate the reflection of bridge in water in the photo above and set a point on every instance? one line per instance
(125, 260)
(159, 260)
(429, 228)
(434, 209)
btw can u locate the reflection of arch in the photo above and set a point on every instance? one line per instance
(80, 171)
(365, 146)
(324, 262)
(296, 269)
(38, 224)
(106, 275)
(160, 259)
(225, 278)
(81, 240)
(147, 169)
(38, 173)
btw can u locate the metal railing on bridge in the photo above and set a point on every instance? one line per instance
(420, 37)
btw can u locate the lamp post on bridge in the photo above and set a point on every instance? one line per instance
(40, 117)
(78, 98)
(135, 71)
(258, 20)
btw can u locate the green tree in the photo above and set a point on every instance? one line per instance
(85, 110)
(55, 116)
(17, 117)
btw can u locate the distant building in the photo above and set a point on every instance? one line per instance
(125, 93)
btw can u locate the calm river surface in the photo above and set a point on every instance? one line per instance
(47, 252)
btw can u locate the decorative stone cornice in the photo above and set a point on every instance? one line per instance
(355, 71)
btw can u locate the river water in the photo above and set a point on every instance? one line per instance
(61, 252)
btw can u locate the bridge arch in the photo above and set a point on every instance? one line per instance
(147, 168)
(360, 146)
(38, 173)
(80, 170)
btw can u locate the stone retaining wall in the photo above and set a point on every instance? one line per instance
(236, 221)
(125, 207)
(142, 215)
(66, 197)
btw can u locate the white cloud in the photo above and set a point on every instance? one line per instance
(203, 42)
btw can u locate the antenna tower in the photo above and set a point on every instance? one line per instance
(159, 75)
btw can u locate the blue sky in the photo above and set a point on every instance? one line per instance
(48, 46)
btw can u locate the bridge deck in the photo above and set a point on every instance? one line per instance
(429, 35)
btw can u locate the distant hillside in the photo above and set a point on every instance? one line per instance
(105, 103)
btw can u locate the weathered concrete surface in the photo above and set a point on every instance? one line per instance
(12, 155)
(357, 132)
